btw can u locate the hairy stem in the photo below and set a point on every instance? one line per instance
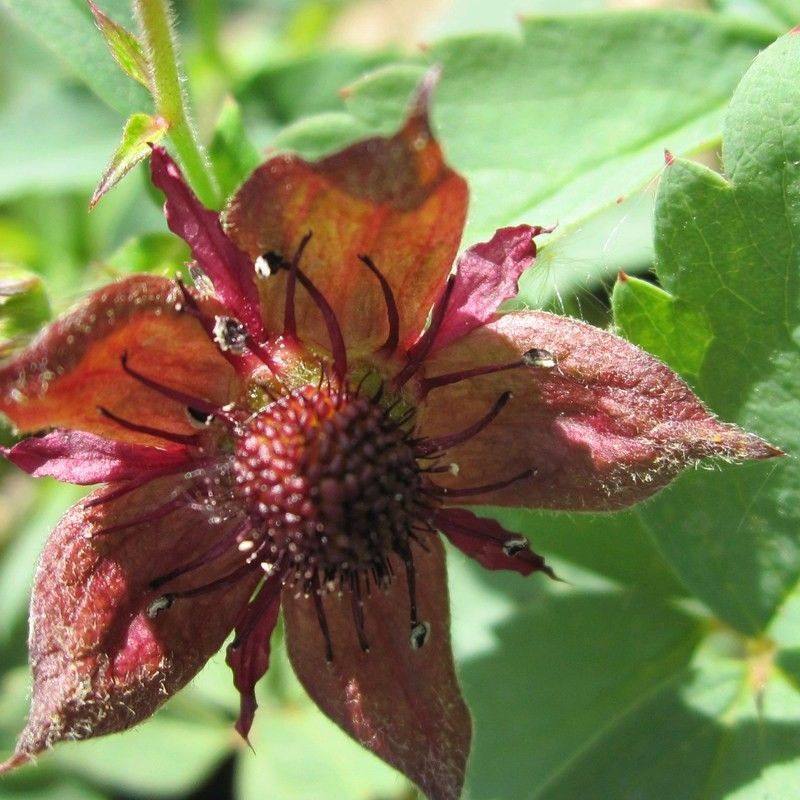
(171, 104)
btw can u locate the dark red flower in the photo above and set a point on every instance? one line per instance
(296, 430)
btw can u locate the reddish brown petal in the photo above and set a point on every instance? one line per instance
(229, 269)
(403, 704)
(488, 542)
(84, 458)
(248, 653)
(392, 199)
(607, 426)
(487, 276)
(75, 366)
(102, 658)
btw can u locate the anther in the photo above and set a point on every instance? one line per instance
(542, 359)
(160, 604)
(513, 547)
(201, 281)
(419, 635)
(268, 264)
(230, 335)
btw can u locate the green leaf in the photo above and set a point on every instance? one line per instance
(48, 156)
(728, 257)
(67, 29)
(556, 123)
(158, 253)
(231, 152)
(24, 307)
(179, 755)
(124, 46)
(141, 130)
(568, 669)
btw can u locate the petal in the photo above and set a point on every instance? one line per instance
(229, 269)
(488, 542)
(390, 198)
(487, 276)
(84, 458)
(248, 653)
(103, 656)
(75, 366)
(404, 705)
(606, 426)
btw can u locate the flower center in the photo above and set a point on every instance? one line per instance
(330, 481)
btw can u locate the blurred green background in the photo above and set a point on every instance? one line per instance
(564, 680)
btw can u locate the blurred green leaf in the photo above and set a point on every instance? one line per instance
(21, 552)
(159, 253)
(68, 30)
(231, 152)
(141, 131)
(554, 124)
(162, 757)
(123, 45)
(569, 669)
(24, 307)
(50, 157)
(727, 254)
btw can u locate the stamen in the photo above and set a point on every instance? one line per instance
(219, 548)
(357, 606)
(175, 438)
(276, 262)
(296, 275)
(488, 487)
(132, 485)
(418, 352)
(392, 340)
(160, 512)
(316, 594)
(411, 581)
(439, 444)
(205, 588)
(338, 349)
(166, 391)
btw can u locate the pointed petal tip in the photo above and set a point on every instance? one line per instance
(669, 158)
(425, 90)
(17, 760)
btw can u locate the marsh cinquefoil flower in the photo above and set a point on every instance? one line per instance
(297, 429)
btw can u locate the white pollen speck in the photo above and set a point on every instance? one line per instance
(246, 545)
(453, 468)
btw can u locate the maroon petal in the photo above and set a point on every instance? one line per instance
(488, 542)
(85, 458)
(106, 649)
(593, 422)
(248, 653)
(486, 277)
(401, 703)
(230, 270)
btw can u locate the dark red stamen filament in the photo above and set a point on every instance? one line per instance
(289, 318)
(175, 438)
(166, 391)
(316, 594)
(418, 352)
(392, 313)
(357, 607)
(427, 384)
(160, 512)
(428, 447)
(468, 491)
(221, 547)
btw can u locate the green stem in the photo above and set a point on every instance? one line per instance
(171, 104)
